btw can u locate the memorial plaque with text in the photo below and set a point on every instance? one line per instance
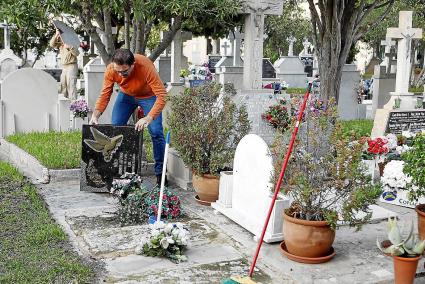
(413, 121)
(108, 152)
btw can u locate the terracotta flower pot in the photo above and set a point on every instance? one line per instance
(405, 269)
(206, 187)
(307, 238)
(420, 209)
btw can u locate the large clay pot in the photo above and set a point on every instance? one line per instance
(420, 209)
(405, 269)
(307, 238)
(206, 187)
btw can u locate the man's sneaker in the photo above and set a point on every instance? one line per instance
(158, 181)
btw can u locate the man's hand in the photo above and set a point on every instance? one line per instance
(95, 117)
(143, 122)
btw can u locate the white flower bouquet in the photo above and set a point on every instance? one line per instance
(393, 177)
(169, 240)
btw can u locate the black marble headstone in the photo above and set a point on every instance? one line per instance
(107, 153)
(413, 121)
(268, 69)
(308, 65)
(55, 73)
(212, 61)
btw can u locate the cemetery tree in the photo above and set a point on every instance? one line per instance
(30, 26)
(278, 28)
(336, 26)
(135, 20)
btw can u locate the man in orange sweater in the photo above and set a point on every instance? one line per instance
(140, 85)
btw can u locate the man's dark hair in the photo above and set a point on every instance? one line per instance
(123, 57)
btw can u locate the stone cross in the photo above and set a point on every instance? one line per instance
(236, 41)
(6, 36)
(291, 41)
(225, 46)
(306, 45)
(388, 43)
(255, 11)
(404, 35)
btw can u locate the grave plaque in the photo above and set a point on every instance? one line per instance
(308, 65)
(268, 69)
(108, 152)
(212, 61)
(413, 121)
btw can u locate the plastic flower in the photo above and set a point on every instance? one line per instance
(393, 177)
(79, 108)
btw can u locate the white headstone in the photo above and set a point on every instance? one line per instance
(306, 45)
(404, 35)
(291, 40)
(9, 62)
(405, 100)
(224, 48)
(253, 38)
(236, 42)
(29, 101)
(252, 190)
(93, 72)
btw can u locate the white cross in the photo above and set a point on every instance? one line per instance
(291, 41)
(388, 43)
(225, 46)
(306, 45)
(235, 38)
(404, 35)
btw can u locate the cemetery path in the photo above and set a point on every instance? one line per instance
(219, 247)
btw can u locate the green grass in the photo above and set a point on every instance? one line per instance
(33, 248)
(62, 150)
(55, 150)
(354, 129)
(367, 76)
(419, 89)
(296, 90)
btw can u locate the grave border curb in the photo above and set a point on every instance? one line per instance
(32, 168)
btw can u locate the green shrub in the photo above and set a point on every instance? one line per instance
(415, 167)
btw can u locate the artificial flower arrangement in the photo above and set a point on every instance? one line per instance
(137, 203)
(171, 205)
(169, 240)
(394, 178)
(278, 115)
(79, 108)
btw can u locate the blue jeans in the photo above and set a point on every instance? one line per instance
(123, 108)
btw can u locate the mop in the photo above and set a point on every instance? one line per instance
(164, 169)
(248, 280)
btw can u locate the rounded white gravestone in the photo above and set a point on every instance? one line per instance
(30, 100)
(252, 169)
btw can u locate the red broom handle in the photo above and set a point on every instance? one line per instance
(279, 181)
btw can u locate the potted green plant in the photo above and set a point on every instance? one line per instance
(414, 166)
(406, 252)
(207, 126)
(326, 183)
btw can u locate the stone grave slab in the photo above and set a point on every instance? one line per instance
(252, 190)
(108, 152)
(212, 61)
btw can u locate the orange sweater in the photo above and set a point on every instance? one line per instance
(143, 82)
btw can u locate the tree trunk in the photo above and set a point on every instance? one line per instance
(140, 36)
(133, 38)
(127, 29)
(108, 30)
(148, 29)
(167, 39)
(85, 18)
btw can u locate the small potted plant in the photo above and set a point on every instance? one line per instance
(326, 183)
(207, 127)
(406, 252)
(414, 160)
(80, 110)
